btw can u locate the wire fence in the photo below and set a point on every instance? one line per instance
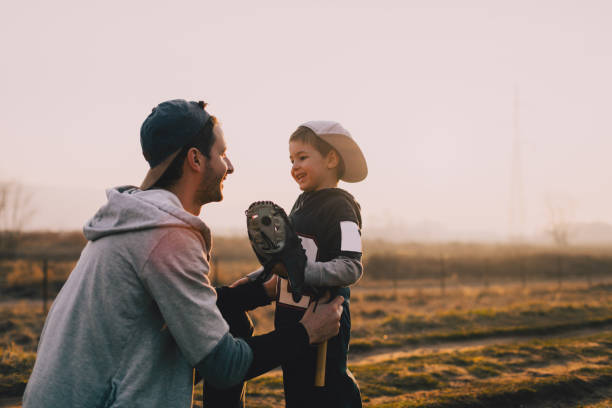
(41, 275)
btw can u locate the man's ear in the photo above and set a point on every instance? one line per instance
(195, 160)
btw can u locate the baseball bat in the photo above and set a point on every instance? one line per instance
(321, 359)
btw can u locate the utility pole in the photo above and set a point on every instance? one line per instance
(517, 199)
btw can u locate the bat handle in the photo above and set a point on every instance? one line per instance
(321, 359)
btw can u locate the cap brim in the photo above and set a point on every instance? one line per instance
(156, 172)
(355, 166)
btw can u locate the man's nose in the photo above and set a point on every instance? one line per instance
(230, 167)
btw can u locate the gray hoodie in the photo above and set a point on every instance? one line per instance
(137, 312)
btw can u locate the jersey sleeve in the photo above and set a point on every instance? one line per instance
(344, 238)
(339, 271)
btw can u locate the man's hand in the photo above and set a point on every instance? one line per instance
(325, 322)
(269, 285)
(239, 282)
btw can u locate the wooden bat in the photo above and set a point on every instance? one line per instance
(321, 360)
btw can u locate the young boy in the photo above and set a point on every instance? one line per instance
(328, 221)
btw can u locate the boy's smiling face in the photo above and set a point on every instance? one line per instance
(310, 169)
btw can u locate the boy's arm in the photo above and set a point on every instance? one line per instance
(345, 268)
(340, 271)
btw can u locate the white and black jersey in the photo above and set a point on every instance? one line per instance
(329, 222)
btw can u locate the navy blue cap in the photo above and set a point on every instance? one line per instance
(170, 126)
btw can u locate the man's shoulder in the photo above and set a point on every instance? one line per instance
(184, 239)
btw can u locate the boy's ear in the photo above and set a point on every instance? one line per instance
(332, 159)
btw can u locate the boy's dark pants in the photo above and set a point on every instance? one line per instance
(341, 389)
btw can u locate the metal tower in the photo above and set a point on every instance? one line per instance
(517, 206)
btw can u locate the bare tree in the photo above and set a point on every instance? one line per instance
(560, 213)
(15, 212)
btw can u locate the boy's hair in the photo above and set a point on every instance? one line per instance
(203, 142)
(306, 135)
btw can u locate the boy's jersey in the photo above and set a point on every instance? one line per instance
(329, 223)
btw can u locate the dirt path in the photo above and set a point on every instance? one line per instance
(383, 354)
(377, 355)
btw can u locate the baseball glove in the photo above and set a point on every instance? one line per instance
(274, 241)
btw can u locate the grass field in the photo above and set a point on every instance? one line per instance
(416, 343)
(414, 347)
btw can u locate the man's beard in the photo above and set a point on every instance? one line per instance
(210, 188)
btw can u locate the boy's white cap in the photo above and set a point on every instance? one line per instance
(355, 167)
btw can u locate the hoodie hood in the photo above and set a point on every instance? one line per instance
(130, 209)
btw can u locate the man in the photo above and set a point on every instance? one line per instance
(138, 313)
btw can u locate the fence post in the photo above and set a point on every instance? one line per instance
(395, 276)
(45, 288)
(588, 276)
(442, 276)
(485, 274)
(559, 271)
(523, 270)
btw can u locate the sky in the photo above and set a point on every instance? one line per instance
(427, 88)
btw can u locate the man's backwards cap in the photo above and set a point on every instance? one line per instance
(171, 126)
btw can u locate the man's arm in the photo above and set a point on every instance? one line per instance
(235, 360)
(175, 275)
(247, 296)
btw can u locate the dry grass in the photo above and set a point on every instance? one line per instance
(20, 325)
(15, 367)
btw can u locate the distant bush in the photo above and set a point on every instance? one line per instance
(466, 268)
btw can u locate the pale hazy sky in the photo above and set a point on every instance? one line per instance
(425, 87)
